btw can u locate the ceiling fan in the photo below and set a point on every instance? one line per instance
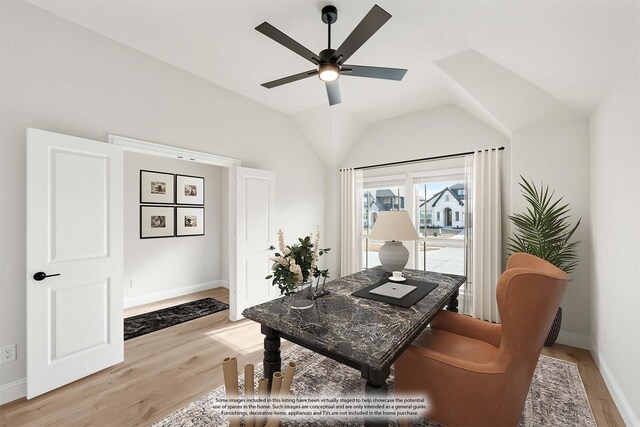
(330, 63)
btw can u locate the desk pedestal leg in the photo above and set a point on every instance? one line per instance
(272, 361)
(453, 302)
(376, 390)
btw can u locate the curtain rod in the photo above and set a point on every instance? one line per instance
(404, 162)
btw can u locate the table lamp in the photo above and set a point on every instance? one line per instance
(393, 227)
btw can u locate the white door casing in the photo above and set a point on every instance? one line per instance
(255, 205)
(74, 229)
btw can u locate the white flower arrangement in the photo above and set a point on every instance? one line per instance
(296, 264)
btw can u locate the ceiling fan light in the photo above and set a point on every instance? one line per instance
(328, 72)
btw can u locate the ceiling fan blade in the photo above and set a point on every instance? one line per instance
(371, 23)
(286, 41)
(290, 79)
(373, 72)
(333, 92)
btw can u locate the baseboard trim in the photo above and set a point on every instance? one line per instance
(13, 391)
(574, 340)
(626, 411)
(172, 293)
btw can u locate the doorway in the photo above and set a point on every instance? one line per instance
(173, 238)
(246, 235)
(163, 153)
(447, 217)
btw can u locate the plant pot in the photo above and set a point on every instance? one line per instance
(555, 329)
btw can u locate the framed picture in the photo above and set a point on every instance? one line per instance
(189, 190)
(156, 187)
(157, 221)
(189, 222)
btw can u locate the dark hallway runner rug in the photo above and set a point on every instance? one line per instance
(146, 323)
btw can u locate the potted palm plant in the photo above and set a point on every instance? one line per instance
(545, 231)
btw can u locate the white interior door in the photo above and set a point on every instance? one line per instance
(255, 203)
(74, 234)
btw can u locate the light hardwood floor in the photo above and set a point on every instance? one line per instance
(165, 370)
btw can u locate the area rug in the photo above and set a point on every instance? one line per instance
(556, 398)
(146, 323)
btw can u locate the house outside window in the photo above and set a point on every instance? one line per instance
(457, 216)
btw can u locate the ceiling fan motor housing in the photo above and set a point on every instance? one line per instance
(329, 14)
(326, 55)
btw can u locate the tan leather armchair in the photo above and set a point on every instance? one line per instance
(477, 373)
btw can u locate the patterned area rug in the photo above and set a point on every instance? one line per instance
(556, 398)
(154, 321)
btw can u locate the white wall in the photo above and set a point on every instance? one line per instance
(615, 227)
(558, 155)
(163, 266)
(432, 132)
(61, 77)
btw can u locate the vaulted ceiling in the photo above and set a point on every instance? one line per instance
(571, 50)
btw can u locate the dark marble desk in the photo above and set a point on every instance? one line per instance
(364, 334)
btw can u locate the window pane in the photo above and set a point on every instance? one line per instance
(378, 199)
(441, 208)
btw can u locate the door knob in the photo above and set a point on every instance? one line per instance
(41, 275)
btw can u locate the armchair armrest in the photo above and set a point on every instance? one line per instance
(468, 326)
(493, 367)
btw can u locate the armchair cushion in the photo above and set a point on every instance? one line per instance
(438, 342)
(468, 326)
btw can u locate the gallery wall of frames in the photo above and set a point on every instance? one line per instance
(171, 205)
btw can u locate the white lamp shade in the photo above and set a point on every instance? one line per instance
(393, 225)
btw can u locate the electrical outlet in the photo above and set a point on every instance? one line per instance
(7, 353)
(133, 284)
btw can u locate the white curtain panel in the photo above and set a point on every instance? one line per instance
(466, 299)
(486, 234)
(351, 221)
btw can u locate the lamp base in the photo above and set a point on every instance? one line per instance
(393, 256)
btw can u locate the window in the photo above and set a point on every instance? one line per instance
(441, 247)
(378, 198)
(441, 243)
